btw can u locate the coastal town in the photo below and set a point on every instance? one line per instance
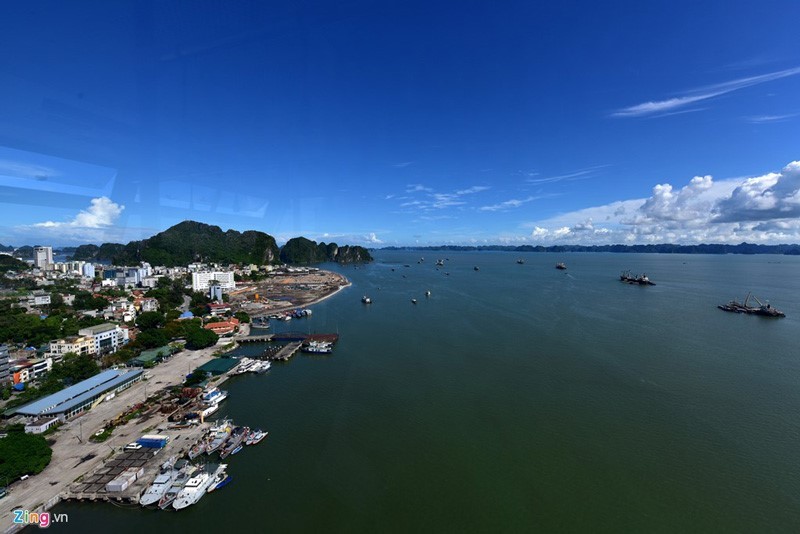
(111, 372)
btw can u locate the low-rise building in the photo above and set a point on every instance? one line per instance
(80, 397)
(108, 337)
(40, 425)
(76, 344)
(223, 328)
(216, 309)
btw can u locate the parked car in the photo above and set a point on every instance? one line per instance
(132, 446)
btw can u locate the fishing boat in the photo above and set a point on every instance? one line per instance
(366, 300)
(219, 435)
(197, 449)
(561, 266)
(475, 268)
(413, 301)
(237, 436)
(440, 263)
(520, 261)
(427, 293)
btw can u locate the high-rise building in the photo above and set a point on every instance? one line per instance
(5, 376)
(201, 280)
(42, 257)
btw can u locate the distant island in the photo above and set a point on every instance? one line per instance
(741, 248)
(191, 241)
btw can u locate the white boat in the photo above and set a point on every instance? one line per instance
(219, 434)
(319, 347)
(427, 293)
(208, 410)
(366, 300)
(180, 481)
(194, 489)
(214, 396)
(262, 367)
(160, 485)
(259, 435)
(219, 476)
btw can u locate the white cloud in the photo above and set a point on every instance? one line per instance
(761, 209)
(509, 204)
(761, 119)
(102, 212)
(372, 238)
(700, 94)
(432, 200)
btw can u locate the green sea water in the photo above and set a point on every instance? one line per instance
(520, 398)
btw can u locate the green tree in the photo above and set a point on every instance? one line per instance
(22, 454)
(200, 338)
(150, 320)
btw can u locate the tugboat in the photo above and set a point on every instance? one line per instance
(640, 279)
(765, 310)
(561, 266)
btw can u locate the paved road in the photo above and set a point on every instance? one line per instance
(74, 455)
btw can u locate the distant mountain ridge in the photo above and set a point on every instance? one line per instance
(191, 241)
(306, 251)
(666, 248)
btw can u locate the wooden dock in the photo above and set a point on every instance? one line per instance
(287, 352)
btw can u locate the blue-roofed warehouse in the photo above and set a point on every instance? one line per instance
(81, 396)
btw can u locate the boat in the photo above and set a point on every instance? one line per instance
(244, 365)
(160, 485)
(238, 435)
(219, 435)
(177, 486)
(208, 410)
(262, 367)
(237, 449)
(520, 261)
(260, 435)
(440, 263)
(413, 301)
(259, 322)
(197, 449)
(561, 266)
(214, 396)
(221, 478)
(763, 309)
(640, 279)
(318, 347)
(221, 484)
(427, 293)
(193, 491)
(366, 300)
(475, 268)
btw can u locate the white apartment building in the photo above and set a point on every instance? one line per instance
(42, 257)
(224, 279)
(107, 337)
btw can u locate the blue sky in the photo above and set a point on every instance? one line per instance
(397, 123)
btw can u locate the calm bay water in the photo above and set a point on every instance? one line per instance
(519, 397)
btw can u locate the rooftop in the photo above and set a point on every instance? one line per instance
(99, 329)
(77, 394)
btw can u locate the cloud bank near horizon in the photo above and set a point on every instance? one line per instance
(763, 209)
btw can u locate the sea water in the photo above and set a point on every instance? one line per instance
(518, 397)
